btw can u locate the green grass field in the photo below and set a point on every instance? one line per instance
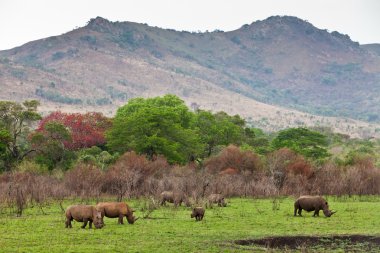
(172, 230)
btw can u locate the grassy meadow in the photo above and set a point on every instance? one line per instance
(171, 229)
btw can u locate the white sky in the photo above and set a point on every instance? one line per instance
(22, 21)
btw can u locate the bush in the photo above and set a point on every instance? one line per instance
(84, 181)
(126, 176)
(234, 158)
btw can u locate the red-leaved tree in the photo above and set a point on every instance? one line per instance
(86, 130)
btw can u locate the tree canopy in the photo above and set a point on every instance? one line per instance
(153, 126)
(309, 143)
(49, 144)
(219, 129)
(86, 130)
(15, 119)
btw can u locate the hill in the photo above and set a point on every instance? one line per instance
(277, 72)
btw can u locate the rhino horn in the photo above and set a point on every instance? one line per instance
(332, 212)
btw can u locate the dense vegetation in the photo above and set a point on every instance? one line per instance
(158, 144)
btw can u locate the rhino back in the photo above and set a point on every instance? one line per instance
(199, 211)
(168, 196)
(113, 209)
(79, 212)
(310, 203)
(215, 198)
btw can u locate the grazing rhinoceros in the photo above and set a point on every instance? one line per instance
(312, 203)
(84, 213)
(198, 213)
(173, 197)
(216, 199)
(116, 210)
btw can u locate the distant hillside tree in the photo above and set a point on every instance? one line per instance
(306, 142)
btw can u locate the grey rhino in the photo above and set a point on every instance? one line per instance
(84, 213)
(216, 199)
(116, 210)
(173, 197)
(312, 203)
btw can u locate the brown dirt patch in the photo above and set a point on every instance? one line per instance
(350, 243)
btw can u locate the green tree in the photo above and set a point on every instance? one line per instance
(160, 125)
(258, 140)
(15, 120)
(308, 143)
(5, 138)
(219, 129)
(49, 145)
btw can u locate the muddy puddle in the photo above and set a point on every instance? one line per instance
(347, 243)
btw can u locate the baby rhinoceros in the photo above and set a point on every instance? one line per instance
(84, 213)
(312, 203)
(198, 213)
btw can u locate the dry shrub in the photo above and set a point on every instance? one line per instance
(362, 180)
(42, 190)
(263, 187)
(229, 185)
(289, 172)
(84, 181)
(277, 163)
(327, 180)
(229, 171)
(127, 175)
(234, 158)
(158, 166)
(298, 177)
(21, 189)
(299, 167)
(17, 190)
(296, 185)
(59, 193)
(197, 186)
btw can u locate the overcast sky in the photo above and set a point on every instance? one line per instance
(22, 21)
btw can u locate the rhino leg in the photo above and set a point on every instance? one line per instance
(90, 224)
(300, 212)
(68, 222)
(316, 213)
(120, 219)
(84, 223)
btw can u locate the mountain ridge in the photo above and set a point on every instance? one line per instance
(280, 61)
